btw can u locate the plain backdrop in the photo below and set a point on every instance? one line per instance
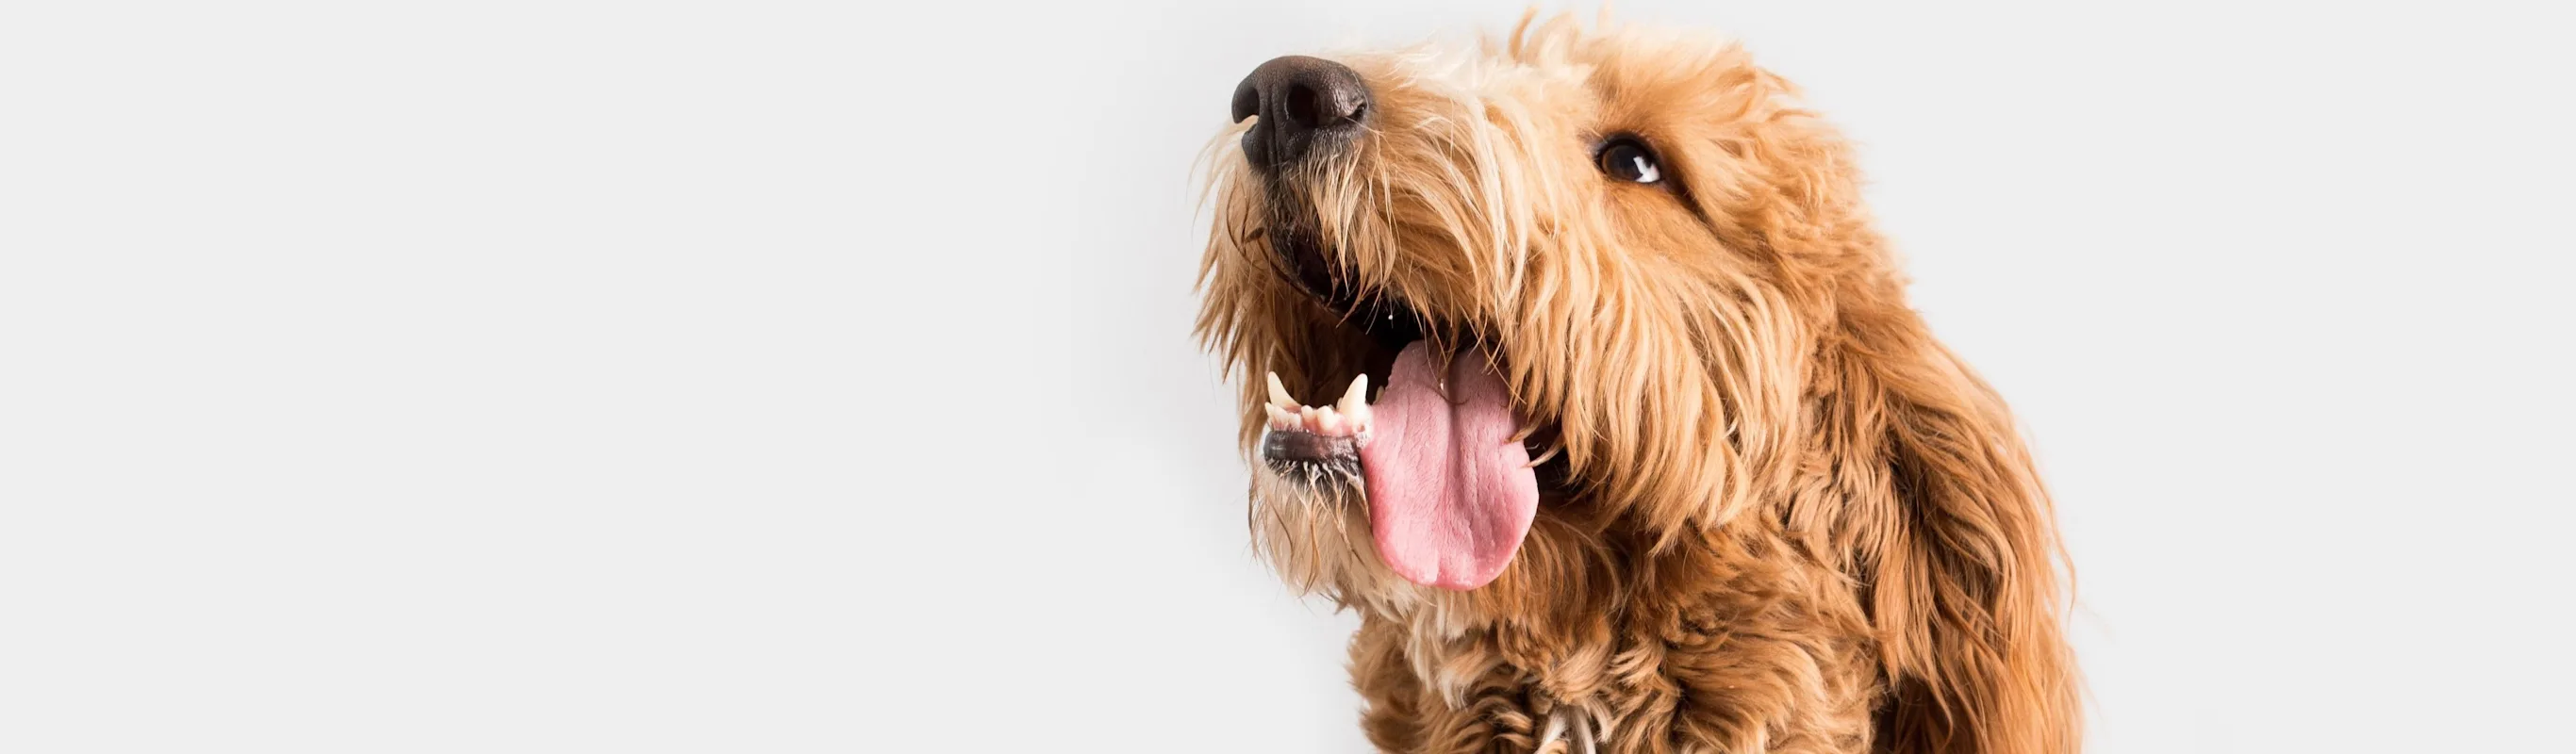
(547, 376)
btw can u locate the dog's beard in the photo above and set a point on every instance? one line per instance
(1309, 521)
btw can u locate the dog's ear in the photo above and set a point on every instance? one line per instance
(1954, 537)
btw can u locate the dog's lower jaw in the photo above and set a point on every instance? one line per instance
(1309, 521)
(1313, 458)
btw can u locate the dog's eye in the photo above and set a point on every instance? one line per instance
(1627, 160)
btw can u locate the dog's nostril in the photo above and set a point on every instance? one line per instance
(1301, 106)
(1247, 101)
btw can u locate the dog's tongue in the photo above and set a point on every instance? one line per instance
(1450, 492)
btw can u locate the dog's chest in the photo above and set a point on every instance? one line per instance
(1763, 675)
(1532, 695)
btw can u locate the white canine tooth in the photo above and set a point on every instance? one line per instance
(1328, 422)
(1279, 393)
(1354, 400)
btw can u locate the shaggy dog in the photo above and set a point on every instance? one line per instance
(1625, 438)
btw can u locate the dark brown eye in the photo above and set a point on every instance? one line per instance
(1628, 160)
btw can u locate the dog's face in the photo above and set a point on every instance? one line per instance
(1594, 324)
(1538, 290)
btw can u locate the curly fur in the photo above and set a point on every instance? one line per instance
(1789, 519)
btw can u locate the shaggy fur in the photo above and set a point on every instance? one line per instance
(1780, 517)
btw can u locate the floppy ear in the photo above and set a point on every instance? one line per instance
(1957, 547)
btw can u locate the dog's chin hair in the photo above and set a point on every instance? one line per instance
(1310, 522)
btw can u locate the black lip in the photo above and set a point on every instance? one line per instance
(1294, 451)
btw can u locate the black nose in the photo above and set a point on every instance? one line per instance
(1307, 106)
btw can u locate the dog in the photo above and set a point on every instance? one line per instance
(1623, 435)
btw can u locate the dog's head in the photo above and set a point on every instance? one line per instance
(1581, 249)
(1565, 299)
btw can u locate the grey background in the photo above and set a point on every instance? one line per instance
(559, 376)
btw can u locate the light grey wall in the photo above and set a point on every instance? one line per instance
(805, 376)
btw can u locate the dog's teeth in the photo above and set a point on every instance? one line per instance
(1279, 393)
(1280, 418)
(1328, 421)
(1354, 403)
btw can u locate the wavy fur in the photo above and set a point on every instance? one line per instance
(1789, 521)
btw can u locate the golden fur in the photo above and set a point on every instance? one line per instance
(1790, 520)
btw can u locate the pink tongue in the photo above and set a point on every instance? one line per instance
(1450, 494)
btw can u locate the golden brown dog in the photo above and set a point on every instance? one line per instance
(1625, 439)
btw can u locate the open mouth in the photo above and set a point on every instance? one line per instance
(1439, 448)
